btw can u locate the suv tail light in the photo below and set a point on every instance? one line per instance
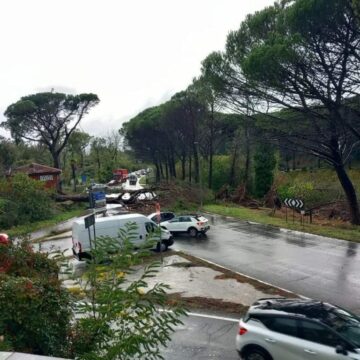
(242, 330)
(200, 223)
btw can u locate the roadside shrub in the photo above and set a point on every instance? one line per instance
(264, 165)
(314, 188)
(35, 310)
(23, 200)
(221, 169)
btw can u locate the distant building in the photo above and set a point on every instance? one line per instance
(49, 175)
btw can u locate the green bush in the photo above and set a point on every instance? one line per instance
(35, 310)
(264, 165)
(23, 200)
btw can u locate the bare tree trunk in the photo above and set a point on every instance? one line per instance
(161, 170)
(73, 172)
(196, 161)
(167, 171)
(233, 163)
(350, 193)
(157, 171)
(190, 169)
(247, 157)
(56, 161)
(211, 150)
(294, 160)
(183, 163)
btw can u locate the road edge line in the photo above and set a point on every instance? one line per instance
(207, 316)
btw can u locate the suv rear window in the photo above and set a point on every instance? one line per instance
(281, 325)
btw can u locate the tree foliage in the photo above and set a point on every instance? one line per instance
(23, 200)
(302, 56)
(35, 309)
(49, 118)
(264, 166)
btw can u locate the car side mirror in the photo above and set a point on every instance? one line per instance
(341, 350)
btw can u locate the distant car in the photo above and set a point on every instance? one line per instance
(191, 224)
(298, 329)
(164, 216)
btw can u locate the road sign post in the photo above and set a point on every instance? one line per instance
(90, 221)
(158, 218)
(294, 204)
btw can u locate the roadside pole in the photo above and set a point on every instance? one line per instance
(158, 218)
(90, 221)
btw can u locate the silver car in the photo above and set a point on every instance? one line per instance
(298, 329)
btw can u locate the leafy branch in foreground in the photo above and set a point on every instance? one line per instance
(120, 318)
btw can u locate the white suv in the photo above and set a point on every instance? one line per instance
(191, 224)
(298, 329)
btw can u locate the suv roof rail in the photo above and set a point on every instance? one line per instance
(272, 298)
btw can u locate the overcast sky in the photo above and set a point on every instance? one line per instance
(132, 54)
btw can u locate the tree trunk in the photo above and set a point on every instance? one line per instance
(210, 169)
(183, 163)
(190, 169)
(157, 171)
(167, 171)
(196, 161)
(233, 163)
(161, 170)
(350, 193)
(247, 158)
(173, 164)
(73, 172)
(82, 160)
(293, 160)
(56, 162)
(211, 150)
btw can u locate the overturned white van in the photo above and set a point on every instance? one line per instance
(109, 226)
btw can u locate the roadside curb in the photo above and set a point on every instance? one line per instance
(244, 275)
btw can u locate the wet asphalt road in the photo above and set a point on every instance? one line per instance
(313, 266)
(317, 267)
(203, 338)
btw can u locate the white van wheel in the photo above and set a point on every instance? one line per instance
(161, 247)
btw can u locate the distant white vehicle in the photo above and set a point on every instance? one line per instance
(126, 196)
(109, 226)
(146, 196)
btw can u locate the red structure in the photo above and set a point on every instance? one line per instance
(49, 175)
(120, 175)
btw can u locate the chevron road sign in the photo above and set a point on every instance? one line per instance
(294, 203)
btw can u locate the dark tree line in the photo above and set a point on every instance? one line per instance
(292, 74)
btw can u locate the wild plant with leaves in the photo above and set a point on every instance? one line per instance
(121, 319)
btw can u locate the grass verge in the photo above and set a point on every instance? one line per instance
(58, 218)
(263, 216)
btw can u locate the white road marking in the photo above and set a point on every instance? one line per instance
(213, 317)
(207, 316)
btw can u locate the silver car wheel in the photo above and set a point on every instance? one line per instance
(255, 356)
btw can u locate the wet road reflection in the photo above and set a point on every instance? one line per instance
(317, 267)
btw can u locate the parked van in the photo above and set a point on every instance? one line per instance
(109, 226)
